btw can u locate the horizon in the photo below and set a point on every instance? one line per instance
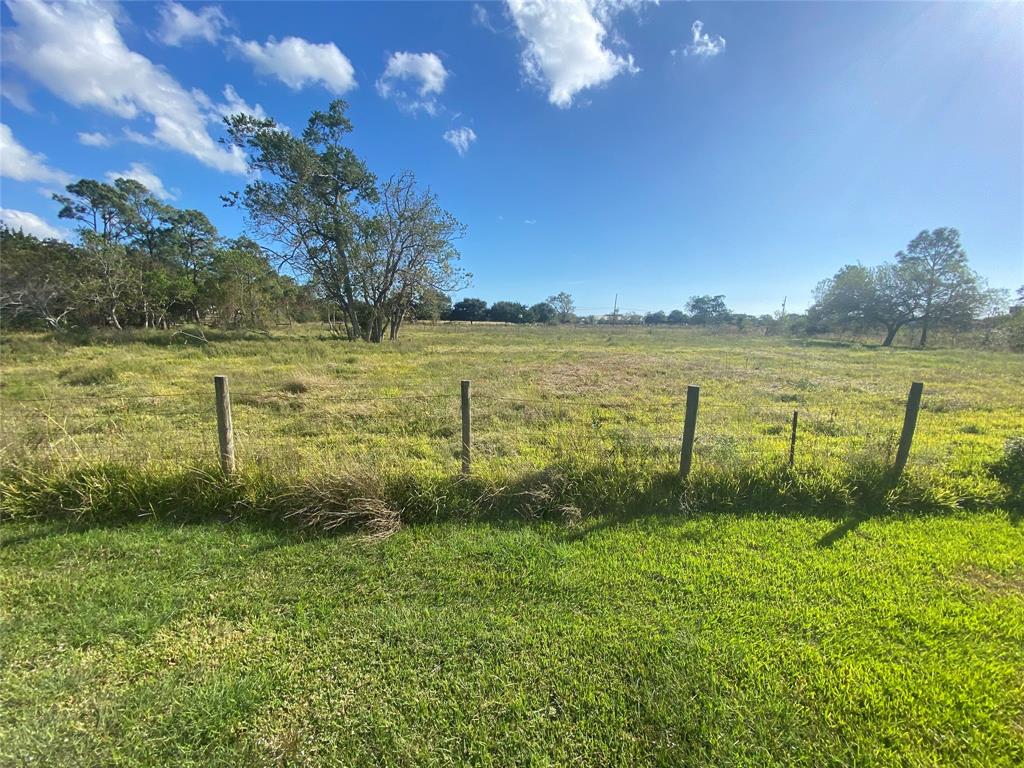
(741, 149)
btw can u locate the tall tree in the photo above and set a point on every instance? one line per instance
(100, 208)
(935, 265)
(306, 197)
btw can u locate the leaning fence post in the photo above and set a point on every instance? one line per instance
(689, 429)
(224, 431)
(466, 428)
(909, 423)
(792, 441)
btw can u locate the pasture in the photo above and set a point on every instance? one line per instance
(348, 598)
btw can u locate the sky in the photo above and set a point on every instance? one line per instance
(601, 147)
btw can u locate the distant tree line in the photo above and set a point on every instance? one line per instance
(555, 309)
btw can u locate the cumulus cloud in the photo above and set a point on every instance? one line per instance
(18, 163)
(703, 45)
(298, 63)
(30, 224)
(77, 52)
(179, 25)
(460, 138)
(413, 80)
(145, 176)
(94, 139)
(564, 44)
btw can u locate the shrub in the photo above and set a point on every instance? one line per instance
(1009, 469)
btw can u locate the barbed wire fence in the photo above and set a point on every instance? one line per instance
(484, 427)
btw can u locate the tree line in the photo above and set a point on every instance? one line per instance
(141, 262)
(330, 240)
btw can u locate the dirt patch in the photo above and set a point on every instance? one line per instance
(992, 582)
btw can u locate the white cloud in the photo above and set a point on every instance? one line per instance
(564, 44)
(460, 138)
(30, 224)
(94, 139)
(482, 18)
(15, 93)
(178, 24)
(529, 221)
(298, 63)
(232, 104)
(77, 52)
(703, 44)
(142, 174)
(424, 71)
(20, 164)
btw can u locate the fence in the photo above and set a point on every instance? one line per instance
(471, 427)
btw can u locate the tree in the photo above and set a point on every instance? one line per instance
(859, 298)
(542, 312)
(564, 306)
(101, 208)
(431, 304)
(676, 317)
(242, 285)
(707, 310)
(407, 247)
(655, 318)
(507, 312)
(469, 309)
(111, 280)
(38, 279)
(948, 291)
(306, 197)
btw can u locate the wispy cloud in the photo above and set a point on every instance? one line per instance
(20, 164)
(145, 176)
(77, 52)
(460, 138)
(702, 45)
(179, 25)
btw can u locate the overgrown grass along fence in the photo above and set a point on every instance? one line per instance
(806, 460)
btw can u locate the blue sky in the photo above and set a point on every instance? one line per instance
(609, 146)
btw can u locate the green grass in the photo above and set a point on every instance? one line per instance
(570, 603)
(729, 639)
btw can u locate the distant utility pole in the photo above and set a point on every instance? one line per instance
(783, 306)
(615, 310)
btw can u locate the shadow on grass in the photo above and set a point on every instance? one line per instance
(585, 497)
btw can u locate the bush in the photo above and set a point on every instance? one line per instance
(1009, 470)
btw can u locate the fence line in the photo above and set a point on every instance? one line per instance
(793, 434)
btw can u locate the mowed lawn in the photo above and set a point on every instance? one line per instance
(666, 640)
(816, 616)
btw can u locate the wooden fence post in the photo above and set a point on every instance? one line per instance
(909, 424)
(466, 428)
(689, 429)
(225, 433)
(792, 441)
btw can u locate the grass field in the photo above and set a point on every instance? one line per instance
(569, 603)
